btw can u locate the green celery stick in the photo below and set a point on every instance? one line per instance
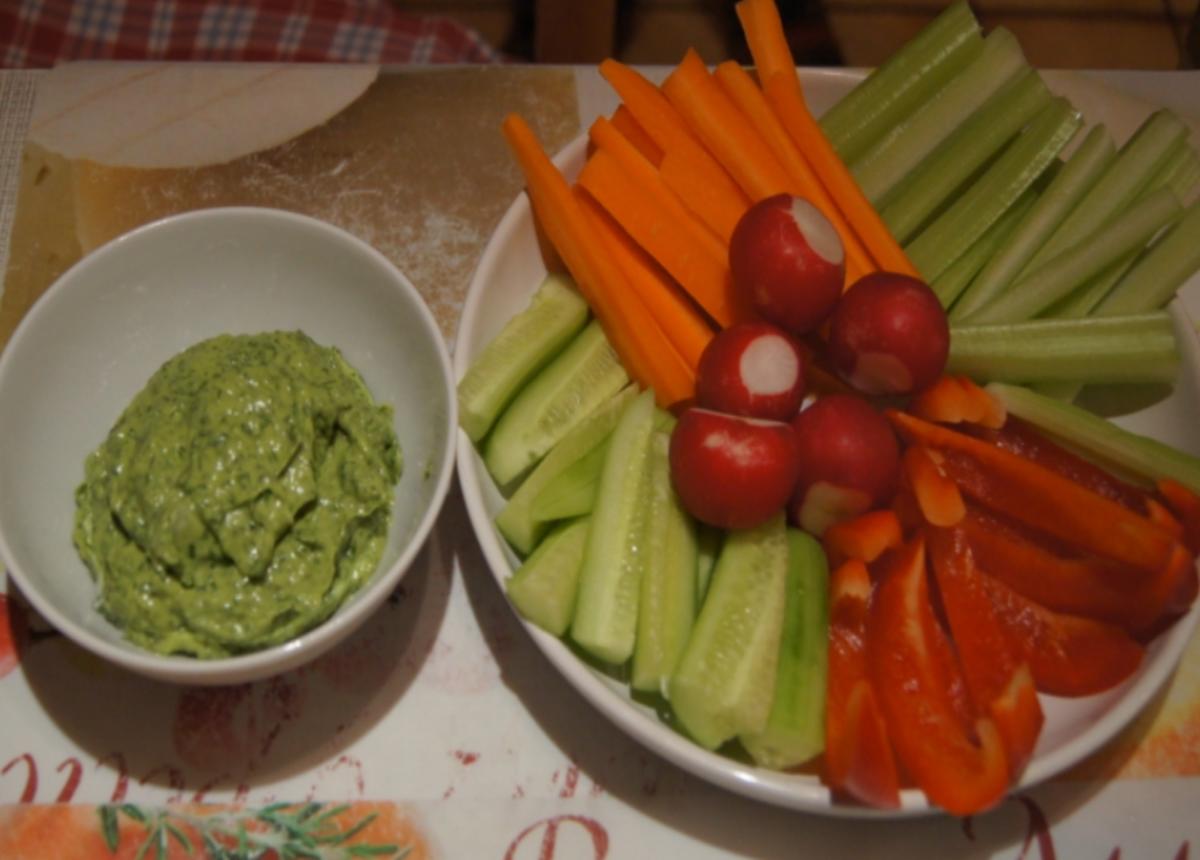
(1135, 348)
(515, 520)
(1122, 181)
(950, 284)
(1168, 263)
(968, 148)
(899, 151)
(908, 79)
(543, 588)
(1067, 188)
(1042, 287)
(795, 731)
(667, 607)
(605, 622)
(1017, 167)
(1098, 438)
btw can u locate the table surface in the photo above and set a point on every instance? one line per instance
(440, 717)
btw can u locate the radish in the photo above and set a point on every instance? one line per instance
(849, 461)
(788, 259)
(752, 369)
(731, 471)
(889, 335)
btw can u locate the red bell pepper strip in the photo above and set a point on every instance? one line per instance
(1069, 655)
(1185, 504)
(960, 773)
(858, 761)
(937, 496)
(1040, 498)
(865, 537)
(997, 675)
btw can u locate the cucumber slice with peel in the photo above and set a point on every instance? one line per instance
(577, 381)
(555, 314)
(605, 622)
(572, 492)
(667, 607)
(543, 588)
(795, 730)
(725, 682)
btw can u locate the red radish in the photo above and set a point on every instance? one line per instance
(849, 461)
(731, 471)
(889, 335)
(752, 369)
(788, 259)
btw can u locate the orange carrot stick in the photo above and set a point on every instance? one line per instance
(723, 129)
(634, 334)
(788, 101)
(684, 325)
(690, 167)
(624, 122)
(741, 89)
(657, 228)
(768, 43)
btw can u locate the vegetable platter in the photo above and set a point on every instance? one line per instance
(995, 337)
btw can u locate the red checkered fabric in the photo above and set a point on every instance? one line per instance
(41, 33)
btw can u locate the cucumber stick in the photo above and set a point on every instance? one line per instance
(795, 730)
(555, 314)
(516, 521)
(667, 606)
(572, 492)
(605, 623)
(543, 588)
(725, 682)
(577, 381)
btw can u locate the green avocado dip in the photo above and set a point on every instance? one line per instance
(240, 498)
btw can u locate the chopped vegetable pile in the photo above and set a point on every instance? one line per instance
(791, 442)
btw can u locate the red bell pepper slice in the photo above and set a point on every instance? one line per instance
(1040, 498)
(937, 496)
(1185, 504)
(865, 537)
(1068, 654)
(960, 773)
(997, 675)
(858, 755)
(1077, 585)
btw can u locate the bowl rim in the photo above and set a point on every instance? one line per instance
(798, 791)
(362, 604)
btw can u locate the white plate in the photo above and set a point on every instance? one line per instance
(509, 271)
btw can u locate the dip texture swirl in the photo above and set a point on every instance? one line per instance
(243, 494)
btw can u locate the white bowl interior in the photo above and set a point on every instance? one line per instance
(508, 273)
(91, 343)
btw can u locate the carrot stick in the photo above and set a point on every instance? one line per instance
(741, 89)
(684, 325)
(634, 334)
(691, 163)
(655, 226)
(623, 121)
(723, 129)
(786, 98)
(605, 136)
(768, 43)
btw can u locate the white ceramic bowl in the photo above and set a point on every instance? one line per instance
(509, 271)
(93, 340)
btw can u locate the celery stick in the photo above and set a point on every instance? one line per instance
(795, 731)
(1122, 181)
(1067, 188)
(1098, 438)
(667, 605)
(892, 157)
(969, 217)
(904, 82)
(971, 145)
(950, 284)
(515, 520)
(1164, 268)
(1044, 286)
(1135, 348)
